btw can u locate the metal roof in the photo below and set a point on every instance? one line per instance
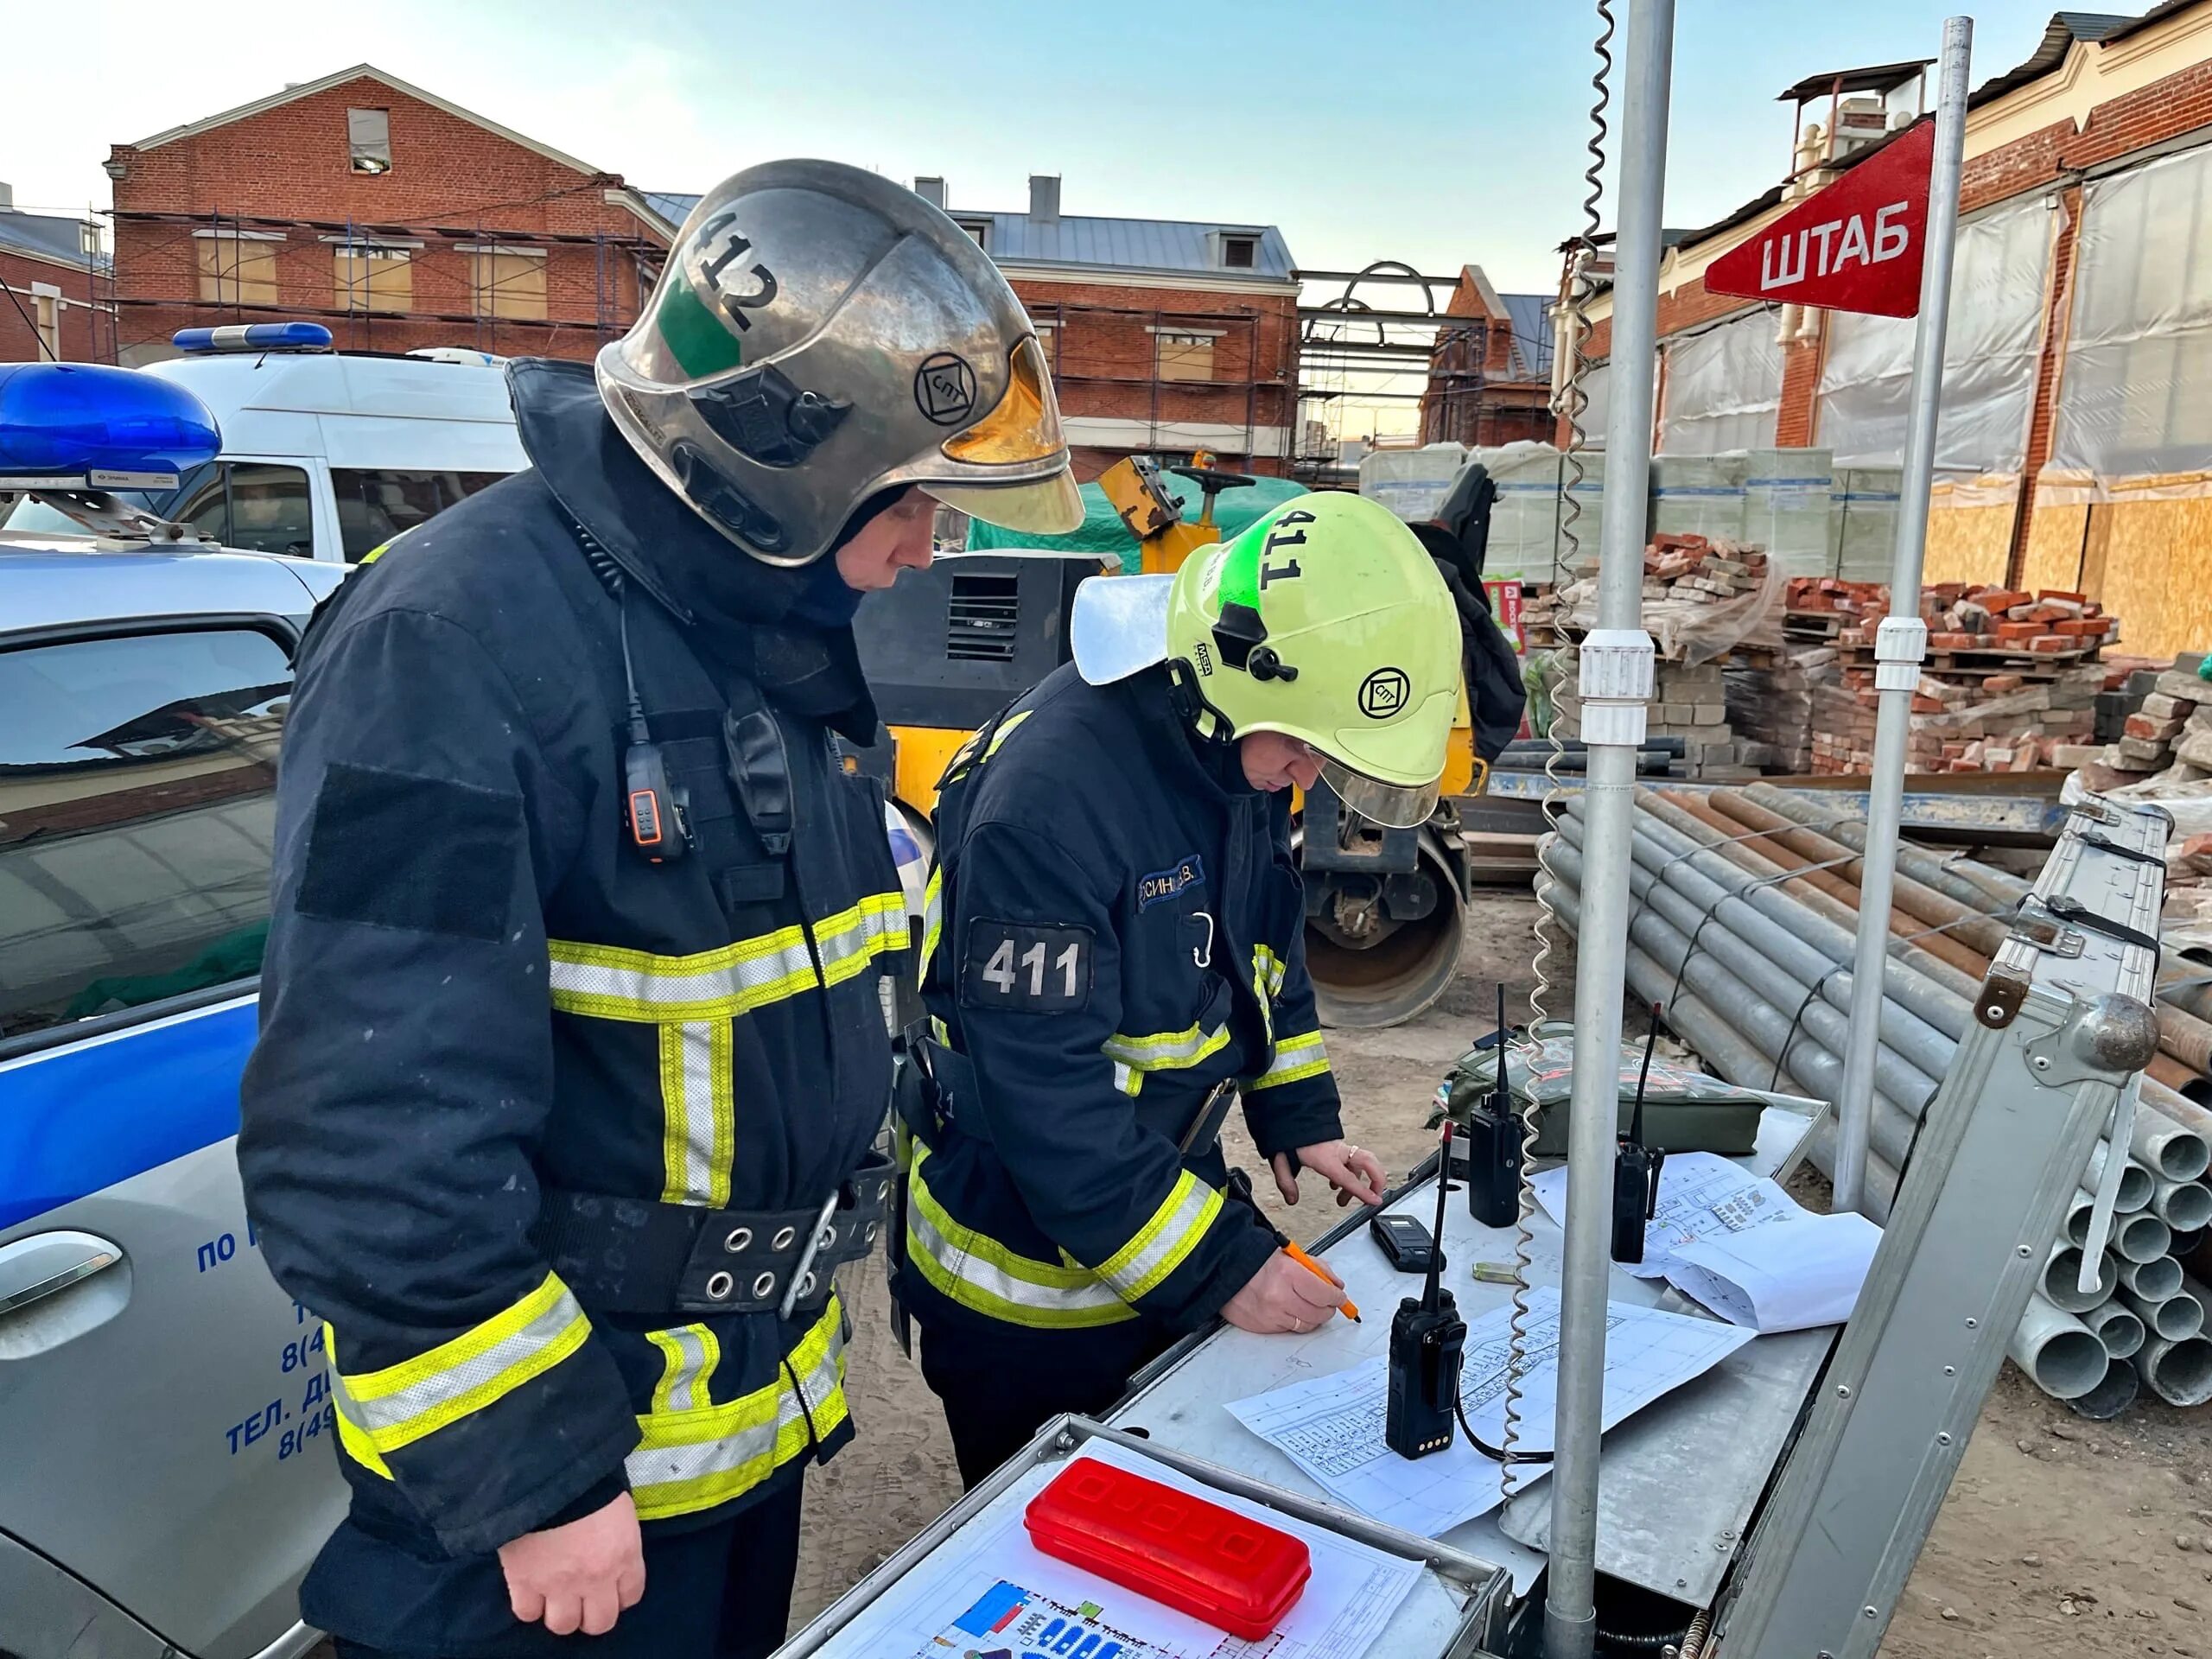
(1147, 245)
(48, 235)
(1874, 78)
(2058, 37)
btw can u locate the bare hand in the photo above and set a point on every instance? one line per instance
(579, 1577)
(1353, 1170)
(1284, 1295)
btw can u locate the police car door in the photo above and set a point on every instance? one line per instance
(164, 1406)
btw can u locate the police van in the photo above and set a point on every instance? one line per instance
(164, 1408)
(326, 455)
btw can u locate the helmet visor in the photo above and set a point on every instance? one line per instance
(1021, 430)
(1395, 806)
(1042, 507)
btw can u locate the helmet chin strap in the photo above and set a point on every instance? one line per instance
(1211, 725)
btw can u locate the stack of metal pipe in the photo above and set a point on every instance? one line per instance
(1745, 913)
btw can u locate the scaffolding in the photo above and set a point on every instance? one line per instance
(508, 295)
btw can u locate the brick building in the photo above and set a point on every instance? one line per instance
(51, 298)
(2076, 444)
(1489, 376)
(397, 217)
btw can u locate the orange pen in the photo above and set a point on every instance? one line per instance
(1346, 1307)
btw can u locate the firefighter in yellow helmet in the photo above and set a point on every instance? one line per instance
(1115, 954)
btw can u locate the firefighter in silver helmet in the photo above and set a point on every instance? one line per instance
(572, 1050)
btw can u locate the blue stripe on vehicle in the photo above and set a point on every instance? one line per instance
(82, 1117)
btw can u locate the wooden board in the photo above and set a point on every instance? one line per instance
(2157, 573)
(1967, 544)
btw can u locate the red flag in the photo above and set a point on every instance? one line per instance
(1857, 245)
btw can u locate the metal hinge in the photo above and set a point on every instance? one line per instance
(1998, 1003)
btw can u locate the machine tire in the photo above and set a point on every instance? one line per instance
(1403, 974)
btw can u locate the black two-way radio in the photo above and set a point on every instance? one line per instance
(1494, 1146)
(1636, 1170)
(1426, 1337)
(656, 816)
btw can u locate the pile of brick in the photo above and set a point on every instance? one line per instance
(1771, 703)
(1688, 580)
(2170, 735)
(1689, 701)
(1985, 722)
(1960, 616)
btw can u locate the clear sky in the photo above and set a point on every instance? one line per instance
(1437, 132)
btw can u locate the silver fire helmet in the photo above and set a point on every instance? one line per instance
(820, 335)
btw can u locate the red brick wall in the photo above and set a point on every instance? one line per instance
(84, 333)
(1102, 355)
(448, 175)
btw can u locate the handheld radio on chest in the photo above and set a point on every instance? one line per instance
(1494, 1146)
(1636, 1170)
(1426, 1337)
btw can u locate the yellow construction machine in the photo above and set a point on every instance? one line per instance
(947, 648)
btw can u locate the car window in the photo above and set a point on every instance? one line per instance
(31, 514)
(136, 818)
(269, 509)
(373, 506)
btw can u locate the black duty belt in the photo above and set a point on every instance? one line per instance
(637, 1255)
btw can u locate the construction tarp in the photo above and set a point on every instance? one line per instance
(1723, 388)
(2135, 398)
(1103, 533)
(1990, 347)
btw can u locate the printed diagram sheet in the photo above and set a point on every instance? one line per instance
(1331, 1427)
(988, 1593)
(1741, 1246)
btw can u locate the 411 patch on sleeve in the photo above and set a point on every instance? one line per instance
(1018, 968)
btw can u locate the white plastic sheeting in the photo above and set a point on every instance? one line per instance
(2135, 399)
(1990, 349)
(1598, 386)
(1723, 388)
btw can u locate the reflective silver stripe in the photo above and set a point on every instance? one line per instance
(1172, 1234)
(846, 942)
(404, 1403)
(696, 1097)
(617, 984)
(932, 916)
(1295, 1057)
(985, 1268)
(690, 1353)
(1165, 1051)
(685, 1465)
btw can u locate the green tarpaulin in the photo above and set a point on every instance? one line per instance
(1103, 533)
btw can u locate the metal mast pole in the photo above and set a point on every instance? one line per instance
(1901, 643)
(1616, 684)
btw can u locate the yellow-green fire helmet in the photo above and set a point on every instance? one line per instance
(1326, 622)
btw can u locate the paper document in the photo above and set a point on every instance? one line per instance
(1741, 1246)
(989, 1593)
(1803, 1272)
(1331, 1427)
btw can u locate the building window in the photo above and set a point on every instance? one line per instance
(45, 315)
(507, 282)
(1240, 252)
(1183, 356)
(375, 279)
(978, 228)
(368, 140)
(235, 269)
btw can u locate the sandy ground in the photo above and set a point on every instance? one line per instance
(2056, 1531)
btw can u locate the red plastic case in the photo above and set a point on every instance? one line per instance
(1196, 1557)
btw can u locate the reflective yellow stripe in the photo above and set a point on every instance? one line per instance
(689, 1356)
(697, 1060)
(402, 1403)
(1164, 1241)
(1005, 731)
(611, 983)
(351, 1435)
(932, 920)
(1269, 971)
(1165, 1051)
(689, 1460)
(1295, 1057)
(979, 1273)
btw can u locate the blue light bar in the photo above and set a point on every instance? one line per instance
(83, 426)
(254, 337)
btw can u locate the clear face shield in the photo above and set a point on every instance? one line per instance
(1395, 806)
